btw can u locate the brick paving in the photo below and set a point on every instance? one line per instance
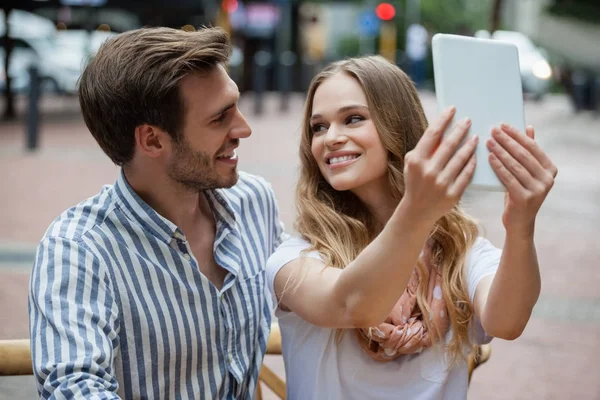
(556, 356)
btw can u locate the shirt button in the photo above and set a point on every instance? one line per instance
(230, 358)
(187, 257)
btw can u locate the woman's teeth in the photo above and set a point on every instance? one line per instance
(335, 160)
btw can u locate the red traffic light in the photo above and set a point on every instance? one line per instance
(385, 11)
(230, 6)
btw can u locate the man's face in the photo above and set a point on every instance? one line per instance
(205, 156)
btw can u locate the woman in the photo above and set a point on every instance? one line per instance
(390, 285)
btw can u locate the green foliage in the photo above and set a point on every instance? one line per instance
(456, 16)
(584, 10)
(348, 46)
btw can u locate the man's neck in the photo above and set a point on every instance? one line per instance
(170, 199)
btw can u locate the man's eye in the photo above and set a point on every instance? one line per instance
(219, 119)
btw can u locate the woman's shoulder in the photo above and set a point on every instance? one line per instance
(292, 248)
(481, 250)
(482, 260)
(291, 245)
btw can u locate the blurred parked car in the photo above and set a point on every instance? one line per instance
(72, 51)
(536, 73)
(59, 56)
(31, 36)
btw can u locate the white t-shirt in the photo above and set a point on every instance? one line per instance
(319, 368)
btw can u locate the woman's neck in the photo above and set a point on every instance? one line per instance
(380, 204)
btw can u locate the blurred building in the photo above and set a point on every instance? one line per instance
(568, 30)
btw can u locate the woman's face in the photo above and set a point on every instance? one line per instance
(345, 143)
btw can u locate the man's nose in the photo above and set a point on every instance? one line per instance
(241, 129)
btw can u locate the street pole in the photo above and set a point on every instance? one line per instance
(387, 40)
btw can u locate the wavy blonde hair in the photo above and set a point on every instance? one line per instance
(339, 226)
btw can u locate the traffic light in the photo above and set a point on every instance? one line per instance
(230, 6)
(387, 34)
(385, 11)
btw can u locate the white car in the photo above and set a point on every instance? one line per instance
(72, 51)
(536, 73)
(31, 36)
(59, 56)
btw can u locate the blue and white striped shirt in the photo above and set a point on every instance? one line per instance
(119, 308)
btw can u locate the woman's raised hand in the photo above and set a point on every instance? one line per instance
(436, 174)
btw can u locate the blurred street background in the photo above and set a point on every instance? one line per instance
(49, 160)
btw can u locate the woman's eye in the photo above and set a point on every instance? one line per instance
(317, 128)
(354, 119)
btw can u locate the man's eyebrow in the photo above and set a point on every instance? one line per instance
(342, 110)
(222, 110)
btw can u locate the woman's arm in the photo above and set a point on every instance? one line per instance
(504, 303)
(363, 293)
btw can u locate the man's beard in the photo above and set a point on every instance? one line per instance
(195, 170)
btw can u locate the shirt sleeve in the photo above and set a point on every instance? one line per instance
(483, 260)
(278, 228)
(73, 320)
(289, 250)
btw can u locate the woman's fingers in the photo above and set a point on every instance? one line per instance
(458, 187)
(433, 135)
(530, 132)
(529, 143)
(516, 158)
(458, 161)
(450, 143)
(509, 181)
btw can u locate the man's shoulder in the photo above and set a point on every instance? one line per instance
(78, 220)
(250, 186)
(247, 179)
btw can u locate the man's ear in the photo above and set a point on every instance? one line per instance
(151, 140)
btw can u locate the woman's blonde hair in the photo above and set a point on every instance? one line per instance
(339, 226)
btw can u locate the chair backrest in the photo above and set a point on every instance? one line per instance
(15, 359)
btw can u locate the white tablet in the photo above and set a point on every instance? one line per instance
(481, 78)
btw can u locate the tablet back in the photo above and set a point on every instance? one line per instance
(481, 77)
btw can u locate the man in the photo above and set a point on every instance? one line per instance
(416, 51)
(155, 287)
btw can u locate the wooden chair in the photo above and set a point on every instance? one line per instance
(266, 376)
(15, 359)
(478, 356)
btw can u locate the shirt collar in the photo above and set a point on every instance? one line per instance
(224, 206)
(140, 211)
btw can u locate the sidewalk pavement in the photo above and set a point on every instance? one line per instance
(555, 358)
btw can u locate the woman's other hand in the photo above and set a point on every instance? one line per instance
(527, 173)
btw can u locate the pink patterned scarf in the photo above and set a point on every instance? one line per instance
(404, 332)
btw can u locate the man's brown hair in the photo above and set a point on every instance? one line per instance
(134, 79)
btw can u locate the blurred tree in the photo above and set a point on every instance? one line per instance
(348, 46)
(584, 10)
(9, 108)
(495, 18)
(455, 16)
